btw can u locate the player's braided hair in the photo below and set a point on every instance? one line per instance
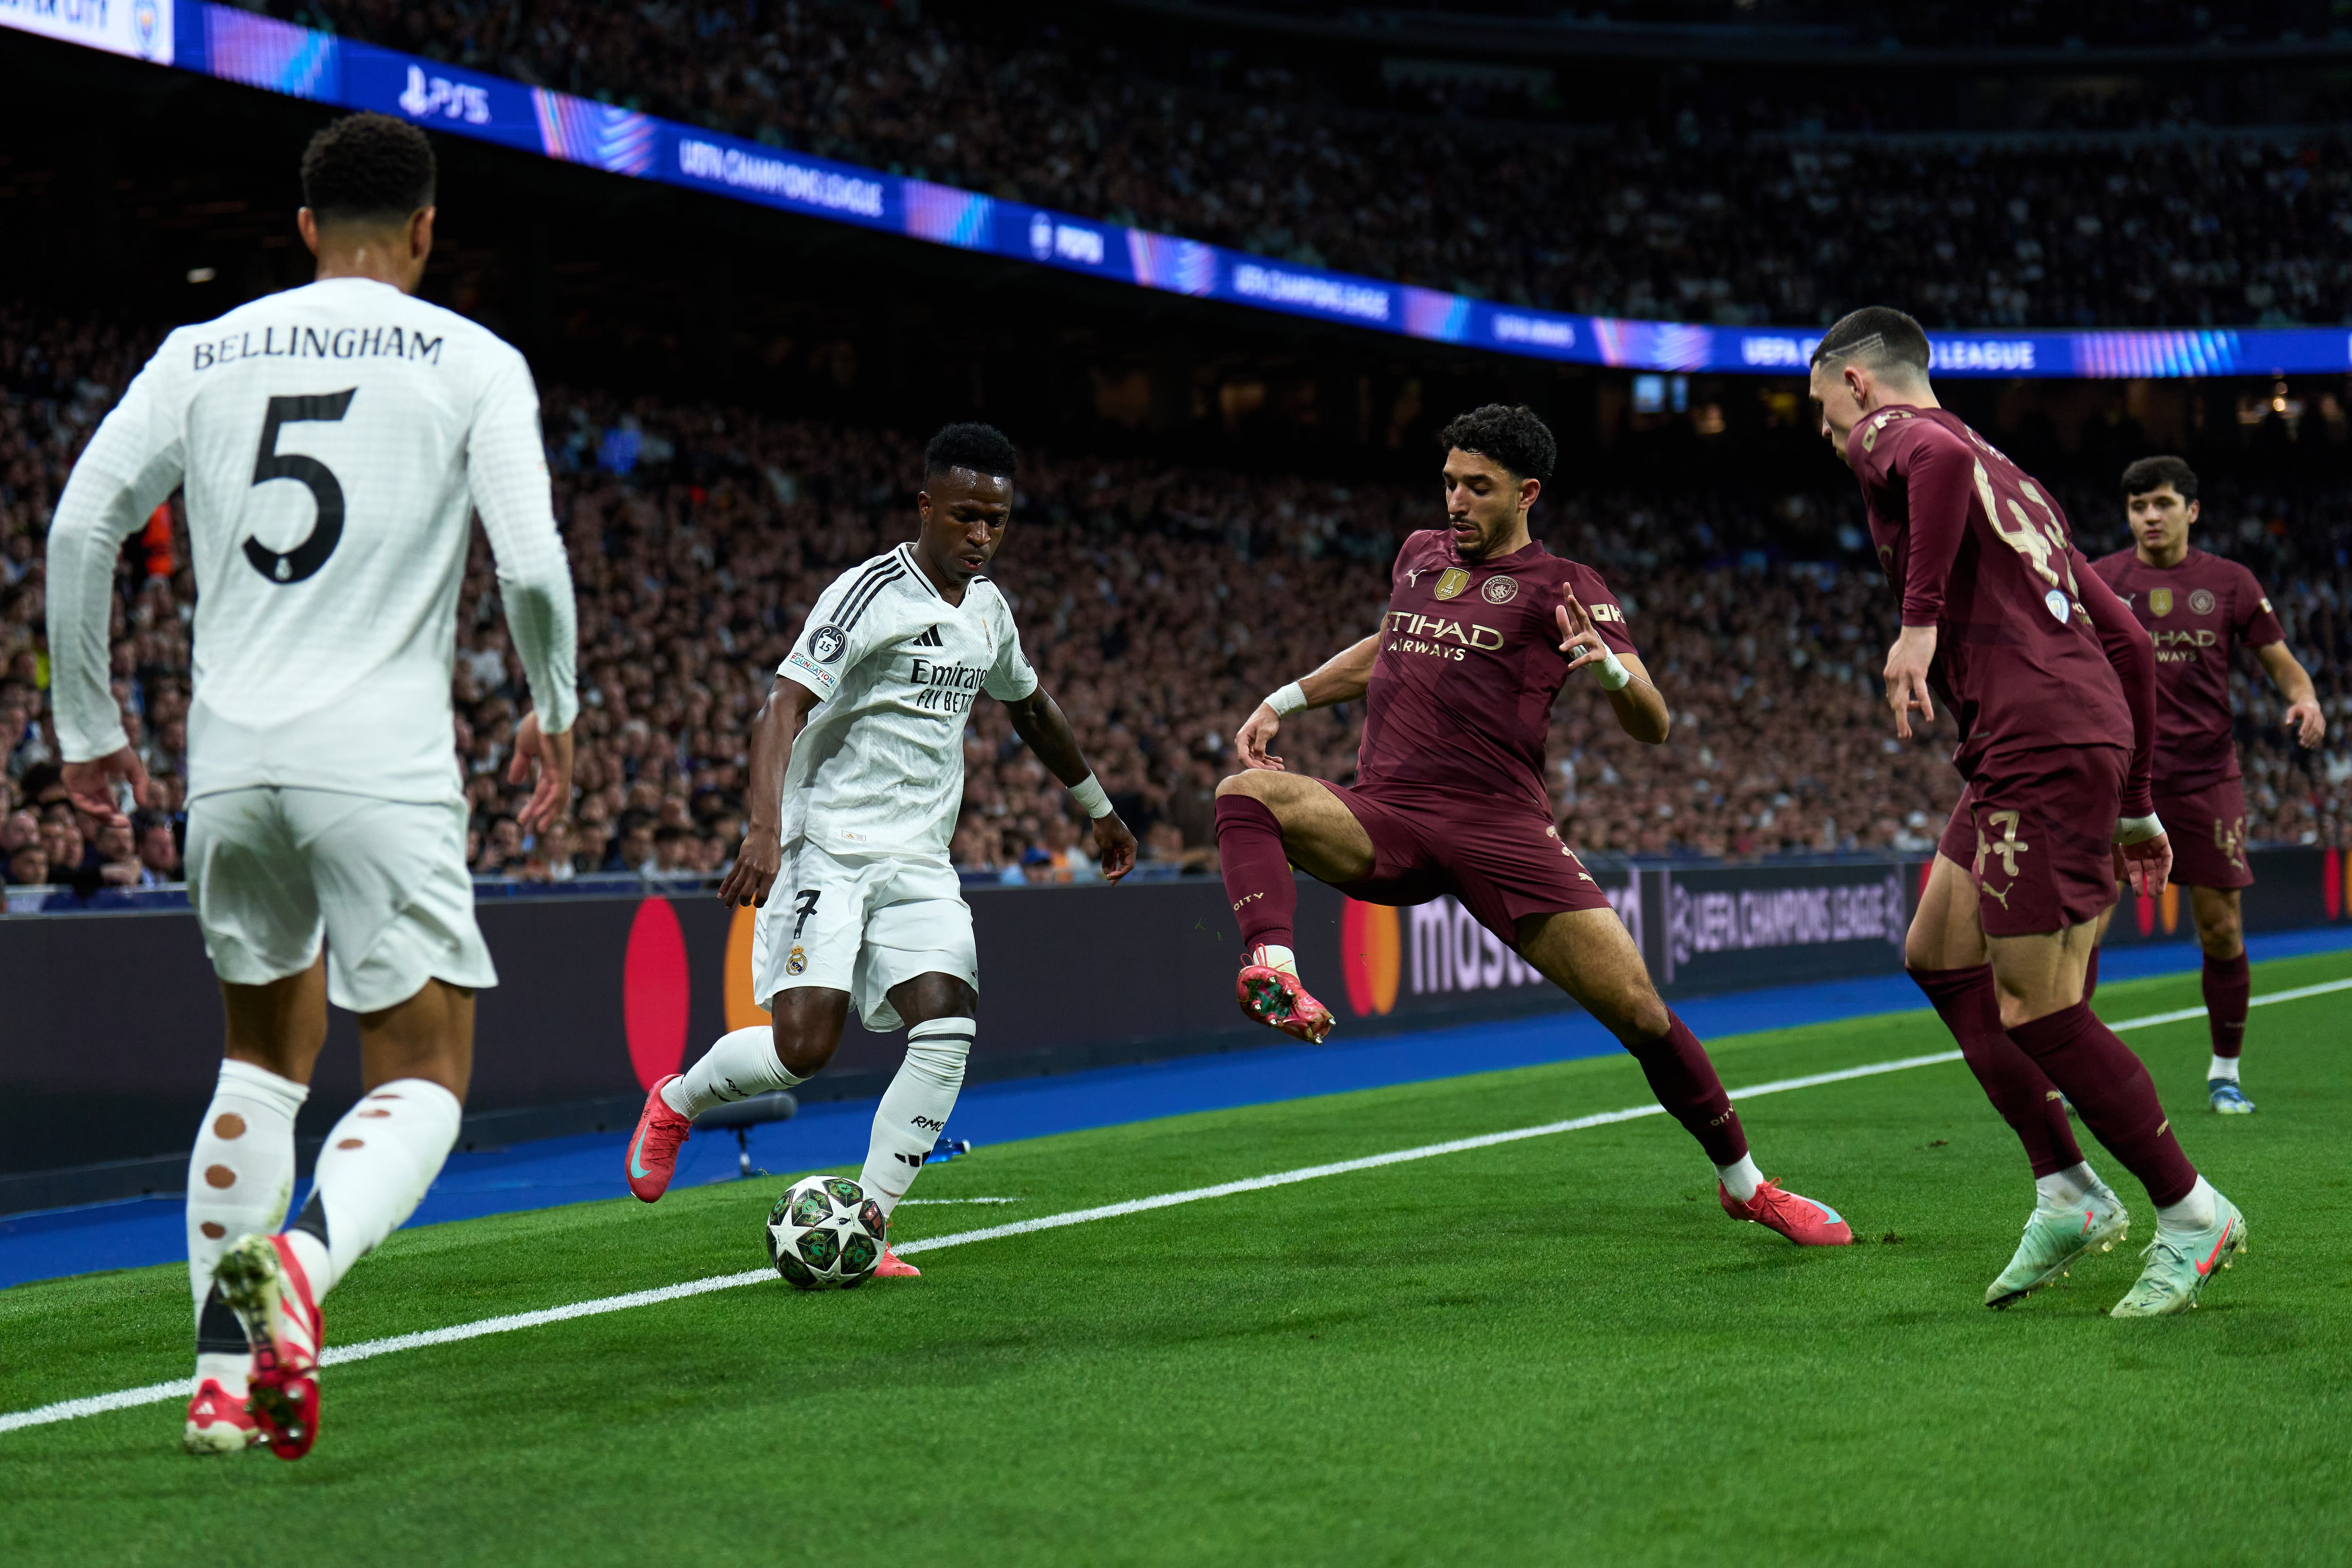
(982, 449)
(368, 168)
(1878, 336)
(1513, 437)
(2155, 473)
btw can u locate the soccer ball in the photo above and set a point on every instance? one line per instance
(826, 1234)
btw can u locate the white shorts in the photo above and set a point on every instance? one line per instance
(273, 872)
(862, 924)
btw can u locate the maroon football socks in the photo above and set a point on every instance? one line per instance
(2229, 983)
(2112, 1090)
(1258, 883)
(1683, 1079)
(1965, 999)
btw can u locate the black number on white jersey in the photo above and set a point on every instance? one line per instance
(327, 529)
(805, 900)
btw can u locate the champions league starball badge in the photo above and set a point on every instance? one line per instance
(828, 643)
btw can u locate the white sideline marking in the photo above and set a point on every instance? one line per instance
(337, 1355)
(905, 1202)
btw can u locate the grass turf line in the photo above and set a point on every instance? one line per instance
(1600, 1366)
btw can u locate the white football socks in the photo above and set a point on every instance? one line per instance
(1273, 955)
(2223, 1066)
(240, 1179)
(914, 1110)
(2065, 1189)
(1742, 1180)
(2195, 1212)
(742, 1064)
(371, 1175)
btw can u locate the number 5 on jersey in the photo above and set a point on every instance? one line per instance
(268, 463)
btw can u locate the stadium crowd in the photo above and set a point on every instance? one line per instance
(1684, 215)
(1157, 604)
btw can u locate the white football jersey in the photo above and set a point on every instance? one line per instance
(878, 768)
(333, 440)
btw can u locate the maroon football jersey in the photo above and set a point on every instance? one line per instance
(2200, 613)
(1979, 552)
(1469, 663)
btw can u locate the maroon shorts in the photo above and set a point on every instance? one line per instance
(2036, 830)
(2207, 826)
(1502, 859)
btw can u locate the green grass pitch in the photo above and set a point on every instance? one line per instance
(1552, 1351)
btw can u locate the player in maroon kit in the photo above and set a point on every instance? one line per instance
(2200, 609)
(1483, 627)
(2052, 685)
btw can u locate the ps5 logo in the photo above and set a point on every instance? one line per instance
(426, 97)
(1040, 237)
(1050, 241)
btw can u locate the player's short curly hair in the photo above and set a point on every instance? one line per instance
(368, 168)
(982, 449)
(2155, 473)
(1878, 336)
(1513, 437)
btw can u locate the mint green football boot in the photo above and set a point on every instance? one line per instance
(2180, 1262)
(2055, 1239)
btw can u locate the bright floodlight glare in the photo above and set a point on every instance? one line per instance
(201, 274)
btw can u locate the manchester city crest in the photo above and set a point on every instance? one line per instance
(1498, 590)
(2200, 603)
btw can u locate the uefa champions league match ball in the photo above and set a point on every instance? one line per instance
(826, 1234)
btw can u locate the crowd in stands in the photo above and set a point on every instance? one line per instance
(1681, 215)
(1157, 604)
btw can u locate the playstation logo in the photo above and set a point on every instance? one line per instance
(1041, 236)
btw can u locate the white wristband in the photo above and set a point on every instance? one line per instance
(1287, 700)
(1612, 673)
(1088, 793)
(2138, 829)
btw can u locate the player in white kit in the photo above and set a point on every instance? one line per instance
(857, 779)
(332, 441)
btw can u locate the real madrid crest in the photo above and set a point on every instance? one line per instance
(1498, 590)
(1452, 583)
(2159, 601)
(796, 961)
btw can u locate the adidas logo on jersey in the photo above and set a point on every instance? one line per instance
(930, 638)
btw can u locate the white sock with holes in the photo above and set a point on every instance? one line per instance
(742, 1064)
(2223, 1066)
(914, 1110)
(2065, 1189)
(371, 1175)
(1742, 1180)
(240, 1179)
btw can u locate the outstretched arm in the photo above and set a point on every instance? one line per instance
(128, 468)
(1938, 475)
(1344, 677)
(761, 857)
(2126, 643)
(2304, 719)
(1037, 720)
(1640, 707)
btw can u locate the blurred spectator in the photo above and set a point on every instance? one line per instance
(501, 853)
(114, 857)
(29, 864)
(158, 850)
(551, 856)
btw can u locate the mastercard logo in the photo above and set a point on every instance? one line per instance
(658, 987)
(1371, 954)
